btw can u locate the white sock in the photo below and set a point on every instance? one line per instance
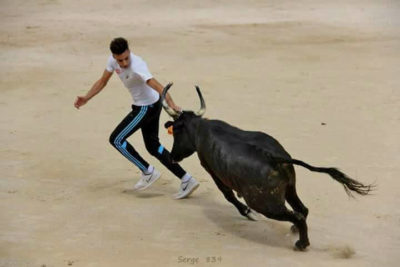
(186, 178)
(149, 170)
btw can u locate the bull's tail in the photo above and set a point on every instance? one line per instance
(348, 183)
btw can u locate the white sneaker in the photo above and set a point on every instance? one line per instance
(147, 179)
(187, 188)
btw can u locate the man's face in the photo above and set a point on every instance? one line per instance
(124, 59)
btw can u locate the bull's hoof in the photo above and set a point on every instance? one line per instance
(301, 245)
(251, 216)
(294, 229)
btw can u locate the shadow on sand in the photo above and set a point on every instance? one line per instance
(264, 231)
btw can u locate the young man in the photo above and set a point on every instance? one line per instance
(145, 115)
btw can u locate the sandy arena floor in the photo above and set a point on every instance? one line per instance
(323, 77)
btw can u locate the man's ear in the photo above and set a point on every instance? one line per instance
(168, 123)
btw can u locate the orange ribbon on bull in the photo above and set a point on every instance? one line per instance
(170, 130)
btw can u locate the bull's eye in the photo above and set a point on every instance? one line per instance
(168, 123)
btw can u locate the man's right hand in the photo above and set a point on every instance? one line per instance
(80, 101)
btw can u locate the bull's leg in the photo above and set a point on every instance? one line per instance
(281, 213)
(295, 202)
(228, 193)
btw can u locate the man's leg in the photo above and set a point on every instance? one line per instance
(150, 130)
(130, 124)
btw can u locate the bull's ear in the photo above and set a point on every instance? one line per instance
(168, 123)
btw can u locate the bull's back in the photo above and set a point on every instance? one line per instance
(238, 157)
(223, 130)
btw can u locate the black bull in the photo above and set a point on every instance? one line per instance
(253, 164)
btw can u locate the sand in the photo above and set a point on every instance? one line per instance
(320, 76)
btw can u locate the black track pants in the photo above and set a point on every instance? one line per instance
(146, 118)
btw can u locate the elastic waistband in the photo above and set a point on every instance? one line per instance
(155, 104)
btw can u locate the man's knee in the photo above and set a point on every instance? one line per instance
(155, 149)
(113, 140)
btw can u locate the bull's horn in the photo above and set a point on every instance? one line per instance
(165, 105)
(203, 104)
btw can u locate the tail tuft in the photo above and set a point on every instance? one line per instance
(350, 184)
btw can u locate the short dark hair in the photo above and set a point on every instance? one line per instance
(118, 45)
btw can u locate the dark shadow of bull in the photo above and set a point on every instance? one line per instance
(253, 164)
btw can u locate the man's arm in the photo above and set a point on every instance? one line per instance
(153, 83)
(96, 88)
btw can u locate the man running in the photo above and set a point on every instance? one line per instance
(145, 115)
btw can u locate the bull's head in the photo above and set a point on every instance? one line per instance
(183, 128)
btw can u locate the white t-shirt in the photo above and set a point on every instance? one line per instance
(134, 78)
